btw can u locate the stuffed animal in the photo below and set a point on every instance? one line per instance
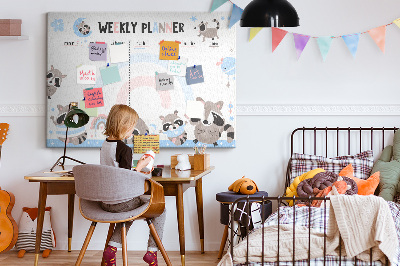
(27, 232)
(365, 187)
(244, 186)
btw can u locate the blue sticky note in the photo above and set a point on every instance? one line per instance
(194, 75)
(110, 74)
(98, 51)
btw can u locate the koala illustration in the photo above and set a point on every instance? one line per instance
(83, 28)
(78, 137)
(54, 79)
(210, 129)
(207, 32)
(174, 128)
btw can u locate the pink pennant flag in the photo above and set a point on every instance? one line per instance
(379, 35)
(300, 42)
(277, 36)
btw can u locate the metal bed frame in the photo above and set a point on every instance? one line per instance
(361, 133)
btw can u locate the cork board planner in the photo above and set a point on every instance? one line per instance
(177, 70)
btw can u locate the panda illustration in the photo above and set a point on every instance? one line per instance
(210, 129)
(54, 79)
(174, 127)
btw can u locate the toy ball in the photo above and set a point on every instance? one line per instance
(244, 186)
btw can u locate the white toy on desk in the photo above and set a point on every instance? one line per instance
(149, 167)
(183, 162)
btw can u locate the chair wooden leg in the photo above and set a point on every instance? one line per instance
(223, 242)
(86, 243)
(160, 246)
(110, 232)
(124, 248)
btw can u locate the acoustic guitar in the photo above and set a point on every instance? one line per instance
(8, 226)
(3, 135)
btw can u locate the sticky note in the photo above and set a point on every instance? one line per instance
(92, 112)
(119, 53)
(86, 74)
(98, 51)
(143, 143)
(194, 109)
(169, 50)
(110, 74)
(194, 75)
(164, 82)
(177, 67)
(93, 97)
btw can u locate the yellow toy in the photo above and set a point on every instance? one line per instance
(244, 186)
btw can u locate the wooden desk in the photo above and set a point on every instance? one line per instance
(175, 183)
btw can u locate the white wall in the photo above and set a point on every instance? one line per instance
(263, 78)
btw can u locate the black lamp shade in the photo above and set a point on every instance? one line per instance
(81, 118)
(269, 13)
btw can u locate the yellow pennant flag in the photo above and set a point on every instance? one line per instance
(397, 22)
(254, 32)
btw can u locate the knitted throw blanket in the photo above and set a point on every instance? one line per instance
(364, 222)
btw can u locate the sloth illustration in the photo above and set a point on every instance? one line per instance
(54, 79)
(174, 127)
(207, 32)
(210, 129)
(83, 28)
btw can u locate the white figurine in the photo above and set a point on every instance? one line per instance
(148, 168)
(183, 162)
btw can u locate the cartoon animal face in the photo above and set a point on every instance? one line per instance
(54, 80)
(174, 127)
(202, 26)
(62, 112)
(227, 65)
(208, 32)
(83, 28)
(140, 128)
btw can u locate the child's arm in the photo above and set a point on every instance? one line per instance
(143, 161)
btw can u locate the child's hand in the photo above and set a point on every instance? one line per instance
(143, 162)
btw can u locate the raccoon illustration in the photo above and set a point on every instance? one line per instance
(77, 137)
(83, 28)
(174, 128)
(140, 129)
(207, 32)
(210, 129)
(54, 79)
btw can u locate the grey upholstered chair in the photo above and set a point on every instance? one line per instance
(97, 183)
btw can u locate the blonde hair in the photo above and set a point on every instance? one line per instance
(120, 119)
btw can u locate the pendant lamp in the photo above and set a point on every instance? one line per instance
(269, 13)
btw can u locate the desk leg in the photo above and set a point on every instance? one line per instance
(199, 201)
(181, 225)
(71, 201)
(40, 219)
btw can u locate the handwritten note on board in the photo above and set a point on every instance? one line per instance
(119, 53)
(110, 74)
(177, 67)
(98, 51)
(93, 97)
(169, 50)
(194, 75)
(143, 143)
(86, 74)
(164, 82)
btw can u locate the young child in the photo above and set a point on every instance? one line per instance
(120, 124)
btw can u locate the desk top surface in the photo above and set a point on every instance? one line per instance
(169, 175)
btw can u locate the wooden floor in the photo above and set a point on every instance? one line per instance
(93, 258)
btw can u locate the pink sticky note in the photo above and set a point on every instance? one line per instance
(93, 97)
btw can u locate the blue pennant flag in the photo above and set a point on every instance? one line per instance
(217, 3)
(324, 44)
(352, 42)
(235, 16)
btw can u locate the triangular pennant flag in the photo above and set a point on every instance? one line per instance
(254, 32)
(277, 36)
(379, 35)
(300, 42)
(397, 22)
(352, 42)
(235, 16)
(217, 3)
(324, 44)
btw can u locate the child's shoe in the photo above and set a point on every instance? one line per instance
(151, 258)
(109, 256)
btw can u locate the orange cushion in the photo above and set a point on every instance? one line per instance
(365, 187)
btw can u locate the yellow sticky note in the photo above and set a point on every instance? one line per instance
(143, 143)
(169, 50)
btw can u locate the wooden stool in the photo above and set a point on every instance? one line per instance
(226, 199)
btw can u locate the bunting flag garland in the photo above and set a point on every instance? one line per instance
(300, 42)
(217, 3)
(378, 35)
(277, 37)
(352, 42)
(235, 16)
(254, 32)
(324, 44)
